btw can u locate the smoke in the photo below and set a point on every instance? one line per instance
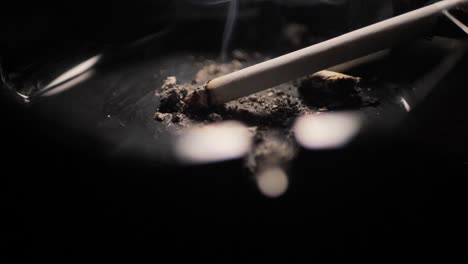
(231, 17)
(233, 9)
(332, 2)
(229, 27)
(209, 2)
(313, 2)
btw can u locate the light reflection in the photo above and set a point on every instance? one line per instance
(327, 131)
(69, 84)
(457, 22)
(216, 142)
(75, 71)
(405, 104)
(272, 182)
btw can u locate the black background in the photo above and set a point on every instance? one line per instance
(69, 201)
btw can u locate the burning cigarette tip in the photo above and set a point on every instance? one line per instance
(197, 99)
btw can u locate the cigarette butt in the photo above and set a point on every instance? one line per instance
(331, 75)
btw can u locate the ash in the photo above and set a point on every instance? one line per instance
(269, 114)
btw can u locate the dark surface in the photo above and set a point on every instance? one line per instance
(68, 195)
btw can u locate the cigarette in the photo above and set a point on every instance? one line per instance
(321, 56)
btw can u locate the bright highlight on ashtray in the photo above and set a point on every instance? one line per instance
(216, 142)
(272, 182)
(327, 131)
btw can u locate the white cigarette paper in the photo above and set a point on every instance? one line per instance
(326, 54)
